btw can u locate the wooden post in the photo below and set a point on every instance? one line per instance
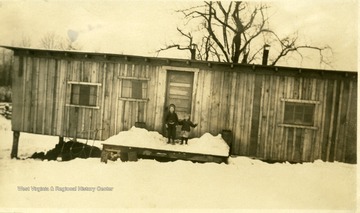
(104, 156)
(61, 140)
(132, 156)
(14, 150)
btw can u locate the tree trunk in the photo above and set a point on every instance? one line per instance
(236, 48)
(14, 150)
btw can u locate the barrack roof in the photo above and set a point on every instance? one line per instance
(89, 55)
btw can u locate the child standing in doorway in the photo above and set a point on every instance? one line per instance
(171, 120)
(185, 129)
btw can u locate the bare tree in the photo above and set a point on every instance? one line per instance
(25, 41)
(53, 41)
(50, 41)
(236, 32)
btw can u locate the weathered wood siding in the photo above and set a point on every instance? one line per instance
(252, 106)
(41, 93)
(247, 103)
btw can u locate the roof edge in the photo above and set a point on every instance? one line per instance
(15, 48)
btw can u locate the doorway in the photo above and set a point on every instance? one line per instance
(179, 89)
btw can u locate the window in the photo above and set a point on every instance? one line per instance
(134, 89)
(84, 94)
(299, 113)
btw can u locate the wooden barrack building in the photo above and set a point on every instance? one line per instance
(274, 113)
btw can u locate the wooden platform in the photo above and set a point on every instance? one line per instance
(126, 153)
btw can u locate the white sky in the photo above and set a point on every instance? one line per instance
(142, 27)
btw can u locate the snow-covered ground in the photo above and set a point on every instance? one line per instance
(243, 184)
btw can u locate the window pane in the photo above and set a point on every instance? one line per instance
(126, 89)
(308, 119)
(74, 99)
(309, 109)
(289, 113)
(126, 83)
(309, 114)
(84, 95)
(137, 89)
(92, 100)
(93, 90)
(75, 91)
(144, 95)
(126, 93)
(133, 88)
(144, 89)
(299, 113)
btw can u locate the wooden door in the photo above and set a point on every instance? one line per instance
(179, 92)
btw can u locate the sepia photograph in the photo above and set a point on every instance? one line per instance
(178, 106)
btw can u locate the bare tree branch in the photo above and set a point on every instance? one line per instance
(53, 41)
(25, 41)
(178, 46)
(212, 34)
(236, 32)
(50, 41)
(253, 57)
(288, 45)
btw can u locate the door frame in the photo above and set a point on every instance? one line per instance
(194, 89)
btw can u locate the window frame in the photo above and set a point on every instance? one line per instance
(143, 80)
(71, 83)
(300, 125)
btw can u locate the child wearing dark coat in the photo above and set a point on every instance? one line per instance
(185, 129)
(171, 120)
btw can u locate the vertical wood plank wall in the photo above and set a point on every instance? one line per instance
(41, 93)
(249, 104)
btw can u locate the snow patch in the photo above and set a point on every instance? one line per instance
(142, 138)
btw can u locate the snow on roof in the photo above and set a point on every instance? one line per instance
(141, 138)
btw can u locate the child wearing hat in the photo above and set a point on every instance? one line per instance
(185, 129)
(171, 120)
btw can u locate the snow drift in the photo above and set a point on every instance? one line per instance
(241, 184)
(142, 138)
